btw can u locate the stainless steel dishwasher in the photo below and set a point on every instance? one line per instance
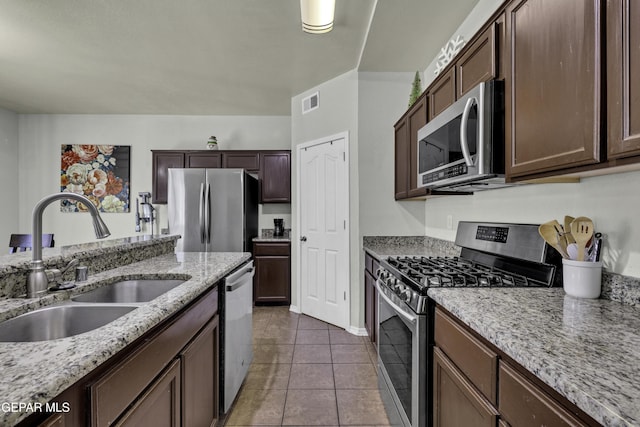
(236, 354)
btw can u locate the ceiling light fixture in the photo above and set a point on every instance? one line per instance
(317, 15)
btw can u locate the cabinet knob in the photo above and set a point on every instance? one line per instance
(303, 238)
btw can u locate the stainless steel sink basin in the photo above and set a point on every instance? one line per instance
(129, 291)
(59, 321)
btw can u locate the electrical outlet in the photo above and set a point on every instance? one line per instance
(450, 222)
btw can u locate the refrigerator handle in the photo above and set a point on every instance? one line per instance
(207, 214)
(201, 216)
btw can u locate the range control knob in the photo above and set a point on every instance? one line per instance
(391, 282)
(406, 295)
(399, 288)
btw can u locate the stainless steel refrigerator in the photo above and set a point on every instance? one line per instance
(214, 210)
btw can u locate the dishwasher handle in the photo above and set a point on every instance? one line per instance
(239, 278)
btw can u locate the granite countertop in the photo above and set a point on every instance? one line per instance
(587, 350)
(64, 361)
(382, 247)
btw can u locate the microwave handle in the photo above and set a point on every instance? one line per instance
(464, 144)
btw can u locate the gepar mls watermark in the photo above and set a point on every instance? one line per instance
(49, 407)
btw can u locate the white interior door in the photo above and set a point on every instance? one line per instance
(324, 240)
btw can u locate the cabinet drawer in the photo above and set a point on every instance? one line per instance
(474, 359)
(113, 393)
(368, 262)
(271, 249)
(455, 400)
(523, 404)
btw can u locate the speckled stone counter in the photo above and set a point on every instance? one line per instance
(384, 246)
(267, 236)
(99, 255)
(587, 350)
(38, 371)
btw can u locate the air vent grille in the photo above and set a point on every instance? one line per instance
(310, 103)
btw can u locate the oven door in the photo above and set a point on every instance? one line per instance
(401, 360)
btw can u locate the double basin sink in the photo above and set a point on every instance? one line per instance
(85, 312)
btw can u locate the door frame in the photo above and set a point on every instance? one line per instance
(347, 241)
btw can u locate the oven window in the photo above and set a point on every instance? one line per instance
(395, 341)
(442, 146)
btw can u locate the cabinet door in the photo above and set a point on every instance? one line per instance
(200, 378)
(55, 420)
(275, 177)
(160, 405)
(552, 85)
(401, 160)
(416, 119)
(523, 404)
(370, 306)
(455, 401)
(478, 63)
(272, 281)
(205, 159)
(623, 69)
(162, 161)
(249, 160)
(443, 93)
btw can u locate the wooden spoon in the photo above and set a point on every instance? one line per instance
(549, 232)
(582, 231)
(567, 229)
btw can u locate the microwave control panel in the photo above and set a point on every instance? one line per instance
(450, 172)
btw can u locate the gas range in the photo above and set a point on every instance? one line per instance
(493, 255)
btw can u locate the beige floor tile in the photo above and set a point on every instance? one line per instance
(283, 322)
(312, 336)
(272, 353)
(349, 353)
(272, 335)
(258, 407)
(312, 353)
(355, 376)
(267, 376)
(361, 407)
(307, 322)
(310, 407)
(344, 337)
(311, 376)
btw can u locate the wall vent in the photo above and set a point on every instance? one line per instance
(310, 103)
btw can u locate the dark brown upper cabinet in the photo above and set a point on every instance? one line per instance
(203, 159)
(275, 177)
(623, 86)
(401, 159)
(552, 85)
(442, 93)
(478, 63)
(406, 150)
(272, 167)
(162, 161)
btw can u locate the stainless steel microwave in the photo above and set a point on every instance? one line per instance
(462, 148)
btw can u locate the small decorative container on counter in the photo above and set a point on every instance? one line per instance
(212, 143)
(582, 279)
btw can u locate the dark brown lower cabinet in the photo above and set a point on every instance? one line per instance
(200, 378)
(167, 377)
(456, 402)
(272, 281)
(370, 305)
(159, 406)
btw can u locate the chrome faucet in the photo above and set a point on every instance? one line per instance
(38, 279)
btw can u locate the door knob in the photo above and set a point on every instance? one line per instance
(303, 238)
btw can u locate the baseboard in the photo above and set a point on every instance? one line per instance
(361, 332)
(294, 309)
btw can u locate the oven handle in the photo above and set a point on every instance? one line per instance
(464, 143)
(408, 317)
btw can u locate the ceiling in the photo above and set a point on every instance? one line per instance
(202, 57)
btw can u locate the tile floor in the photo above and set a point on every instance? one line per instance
(306, 372)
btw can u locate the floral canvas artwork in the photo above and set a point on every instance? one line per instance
(99, 172)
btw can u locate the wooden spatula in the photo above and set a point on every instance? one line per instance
(582, 231)
(567, 229)
(550, 234)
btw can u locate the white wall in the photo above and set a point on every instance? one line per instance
(382, 100)
(338, 113)
(40, 138)
(9, 176)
